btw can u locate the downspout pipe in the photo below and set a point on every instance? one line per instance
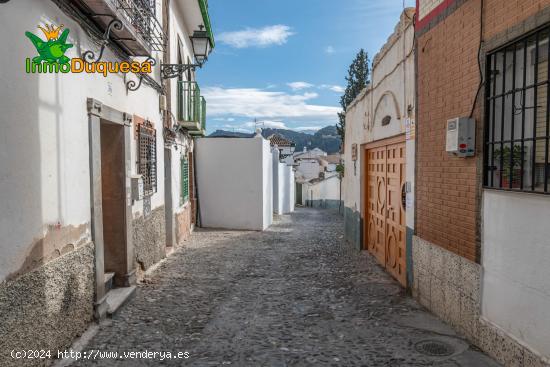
(198, 216)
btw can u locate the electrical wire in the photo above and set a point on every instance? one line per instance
(481, 76)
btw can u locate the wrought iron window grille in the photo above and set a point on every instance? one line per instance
(517, 115)
(147, 157)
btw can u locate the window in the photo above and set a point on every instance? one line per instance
(147, 157)
(184, 168)
(517, 121)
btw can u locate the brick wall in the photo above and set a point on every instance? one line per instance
(448, 188)
(425, 7)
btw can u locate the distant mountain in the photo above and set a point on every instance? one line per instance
(230, 134)
(326, 139)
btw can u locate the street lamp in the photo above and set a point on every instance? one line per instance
(200, 42)
(201, 45)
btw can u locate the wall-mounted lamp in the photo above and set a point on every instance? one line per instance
(200, 41)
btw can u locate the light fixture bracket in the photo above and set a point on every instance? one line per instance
(169, 71)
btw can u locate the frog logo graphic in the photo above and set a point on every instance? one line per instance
(53, 49)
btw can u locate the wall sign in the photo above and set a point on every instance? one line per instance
(410, 129)
(354, 152)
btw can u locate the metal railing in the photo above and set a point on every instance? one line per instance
(141, 15)
(191, 105)
(203, 113)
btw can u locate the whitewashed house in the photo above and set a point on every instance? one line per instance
(96, 171)
(235, 176)
(316, 172)
(379, 155)
(307, 163)
(322, 192)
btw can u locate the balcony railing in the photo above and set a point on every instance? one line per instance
(202, 129)
(141, 32)
(141, 14)
(191, 107)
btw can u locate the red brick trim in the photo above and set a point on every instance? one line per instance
(421, 23)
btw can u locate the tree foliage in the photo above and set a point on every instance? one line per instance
(358, 78)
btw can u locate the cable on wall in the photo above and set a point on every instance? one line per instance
(481, 77)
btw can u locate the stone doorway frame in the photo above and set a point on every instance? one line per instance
(97, 111)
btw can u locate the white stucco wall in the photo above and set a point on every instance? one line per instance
(327, 189)
(308, 168)
(351, 182)
(289, 190)
(266, 170)
(516, 271)
(283, 186)
(44, 148)
(278, 183)
(235, 180)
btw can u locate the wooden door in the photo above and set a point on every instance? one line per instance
(385, 211)
(376, 203)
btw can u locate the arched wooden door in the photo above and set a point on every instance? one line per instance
(385, 232)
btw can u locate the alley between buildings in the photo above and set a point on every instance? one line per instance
(293, 295)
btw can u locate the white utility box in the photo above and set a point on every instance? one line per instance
(461, 136)
(137, 187)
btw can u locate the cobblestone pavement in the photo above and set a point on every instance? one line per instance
(290, 296)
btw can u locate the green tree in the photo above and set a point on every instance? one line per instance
(358, 78)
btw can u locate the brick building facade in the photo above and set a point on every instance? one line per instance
(467, 268)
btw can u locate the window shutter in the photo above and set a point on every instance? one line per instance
(184, 180)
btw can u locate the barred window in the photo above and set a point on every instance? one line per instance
(184, 193)
(147, 157)
(517, 121)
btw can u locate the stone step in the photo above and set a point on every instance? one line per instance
(108, 280)
(118, 297)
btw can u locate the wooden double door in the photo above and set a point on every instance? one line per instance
(385, 226)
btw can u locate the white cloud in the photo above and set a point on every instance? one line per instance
(251, 125)
(330, 50)
(265, 123)
(299, 85)
(307, 128)
(267, 105)
(257, 37)
(334, 88)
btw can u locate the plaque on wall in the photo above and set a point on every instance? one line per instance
(146, 206)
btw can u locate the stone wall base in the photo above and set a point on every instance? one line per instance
(450, 286)
(353, 228)
(46, 308)
(183, 225)
(324, 204)
(149, 239)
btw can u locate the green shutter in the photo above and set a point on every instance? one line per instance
(184, 180)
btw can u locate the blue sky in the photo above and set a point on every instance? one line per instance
(283, 62)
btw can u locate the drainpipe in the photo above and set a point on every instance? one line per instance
(198, 217)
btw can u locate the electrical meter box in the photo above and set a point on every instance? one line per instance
(461, 137)
(137, 187)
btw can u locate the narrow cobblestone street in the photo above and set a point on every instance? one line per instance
(291, 296)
